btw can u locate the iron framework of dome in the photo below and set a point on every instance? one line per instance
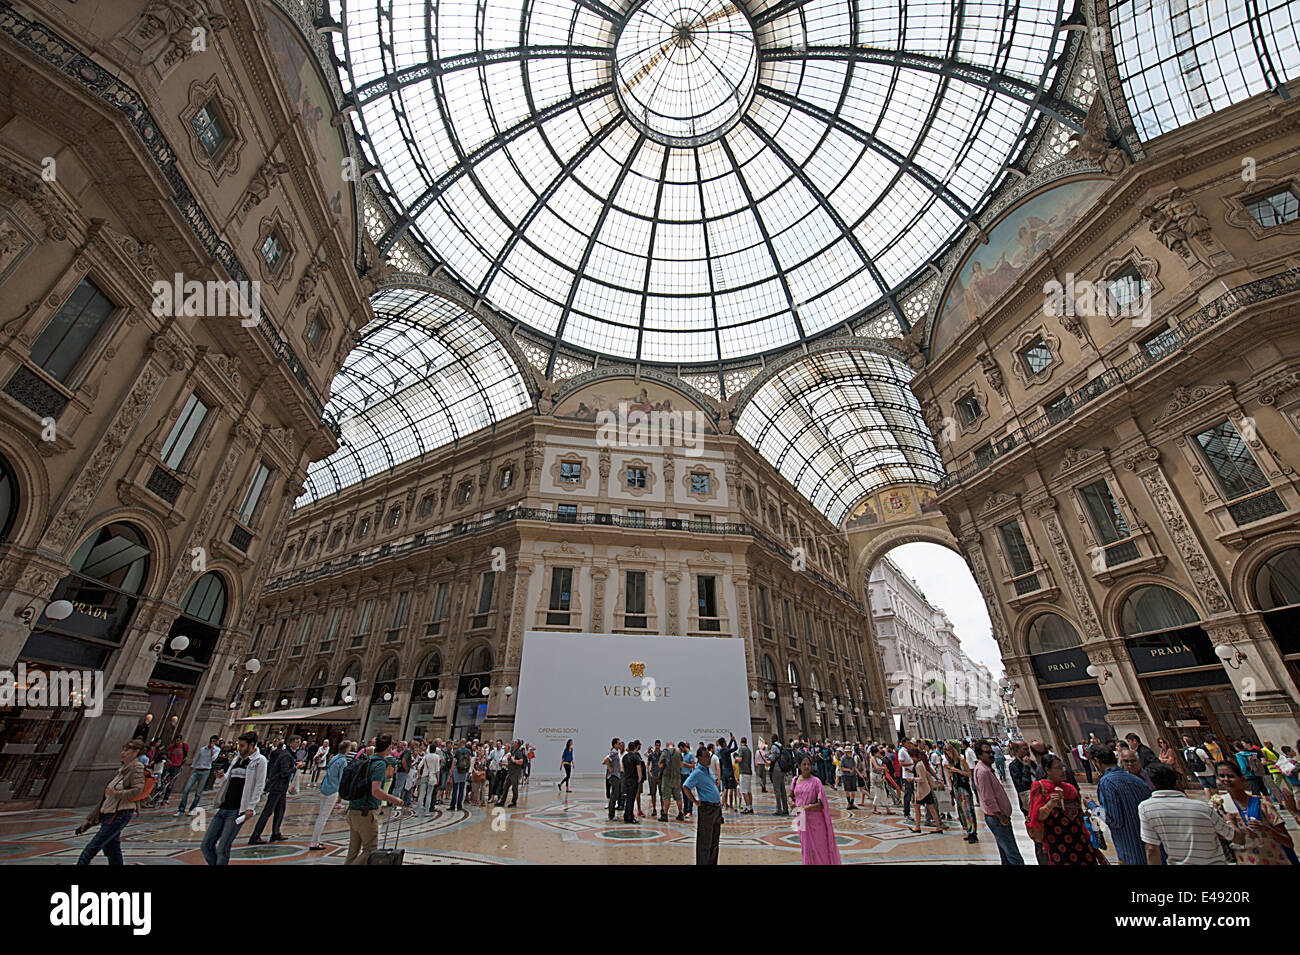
(693, 181)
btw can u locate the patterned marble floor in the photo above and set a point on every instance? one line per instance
(546, 827)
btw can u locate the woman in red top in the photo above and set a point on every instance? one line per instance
(1056, 814)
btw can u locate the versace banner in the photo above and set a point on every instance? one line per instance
(591, 687)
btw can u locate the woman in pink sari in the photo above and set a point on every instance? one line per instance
(816, 834)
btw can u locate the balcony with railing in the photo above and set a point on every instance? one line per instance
(1177, 339)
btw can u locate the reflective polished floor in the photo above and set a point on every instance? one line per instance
(546, 827)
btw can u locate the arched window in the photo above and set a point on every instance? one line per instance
(387, 671)
(1152, 609)
(1277, 584)
(347, 690)
(8, 498)
(792, 674)
(479, 660)
(769, 669)
(117, 556)
(288, 687)
(1049, 632)
(206, 600)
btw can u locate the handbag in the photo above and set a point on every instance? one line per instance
(480, 775)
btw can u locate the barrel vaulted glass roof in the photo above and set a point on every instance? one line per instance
(691, 181)
(1181, 60)
(425, 373)
(840, 424)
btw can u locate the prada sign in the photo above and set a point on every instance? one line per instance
(1171, 650)
(1062, 666)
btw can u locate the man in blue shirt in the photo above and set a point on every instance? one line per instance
(329, 791)
(1120, 792)
(699, 784)
(363, 817)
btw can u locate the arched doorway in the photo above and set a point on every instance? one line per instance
(1277, 594)
(796, 697)
(381, 699)
(471, 700)
(346, 692)
(424, 698)
(8, 498)
(1190, 692)
(108, 571)
(186, 653)
(772, 697)
(1075, 705)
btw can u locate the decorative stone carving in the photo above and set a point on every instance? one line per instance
(1070, 570)
(992, 373)
(310, 279)
(182, 574)
(1095, 142)
(1175, 220)
(1278, 385)
(178, 22)
(91, 479)
(225, 160)
(1189, 548)
(259, 187)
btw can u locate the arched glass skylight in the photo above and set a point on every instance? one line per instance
(697, 180)
(425, 373)
(839, 424)
(1181, 60)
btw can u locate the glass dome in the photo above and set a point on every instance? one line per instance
(693, 181)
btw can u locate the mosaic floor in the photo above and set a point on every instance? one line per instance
(546, 827)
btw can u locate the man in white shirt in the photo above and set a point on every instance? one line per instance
(430, 769)
(909, 777)
(1201, 765)
(1187, 829)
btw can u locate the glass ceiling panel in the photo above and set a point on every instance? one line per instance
(1181, 60)
(839, 424)
(690, 181)
(424, 374)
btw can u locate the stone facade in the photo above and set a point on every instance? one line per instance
(1130, 405)
(156, 158)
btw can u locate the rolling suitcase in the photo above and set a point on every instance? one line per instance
(386, 856)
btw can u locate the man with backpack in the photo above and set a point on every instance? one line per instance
(1198, 760)
(281, 770)
(237, 797)
(782, 764)
(362, 786)
(460, 764)
(515, 761)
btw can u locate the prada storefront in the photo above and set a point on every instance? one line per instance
(1190, 692)
(1072, 699)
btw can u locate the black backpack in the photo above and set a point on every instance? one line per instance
(785, 760)
(462, 761)
(1194, 761)
(355, 781)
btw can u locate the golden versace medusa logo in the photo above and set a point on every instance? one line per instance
(638, 669)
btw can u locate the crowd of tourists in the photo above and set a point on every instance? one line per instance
(1138, 801)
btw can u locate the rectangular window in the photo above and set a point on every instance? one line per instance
(636, 477)
(984, 454)
(272, 250)
(507, 477)
(485, 592)
(568, 513)
(333, 630)
(315, 332)
(826, 636)
(426, 505)
(399, 614)
(702, 522)
(634, 614)
(1017, 551)
(210, 128)
(635, 518)
(183, 431)
(74, 326)
(1160, 345)
(363, 621)
(570, 472)
(706, 586)
(1125, 288)
(463, 492)
(789, 619)
(1036, 356)
(764, 610)
(1231, 460)
(1275, 208)
(439, 612)
(561, 595)
(279, 633)
(808, 630)
(969, 409)
(306, 628)
(699, 484)
(254, 493)
(1058, 409)
(1103, 512)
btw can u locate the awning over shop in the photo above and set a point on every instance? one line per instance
(307, 714)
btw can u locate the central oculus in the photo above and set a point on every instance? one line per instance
(685, 71)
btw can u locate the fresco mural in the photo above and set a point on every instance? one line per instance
(308, 96)
(893, 504)
(1017, 239)
(630, 395)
